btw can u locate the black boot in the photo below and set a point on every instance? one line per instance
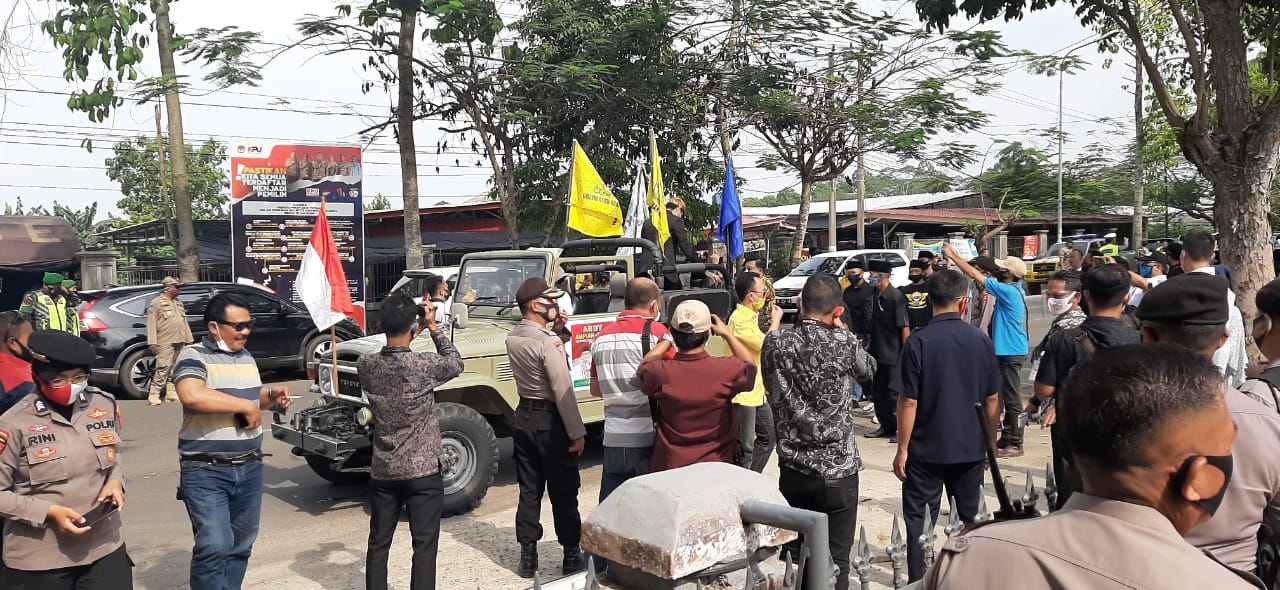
(528, 560)
(572, 560)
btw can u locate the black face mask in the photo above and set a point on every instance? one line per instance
(24, 353)
(1224, 463)
(549, 314)
(917, 279)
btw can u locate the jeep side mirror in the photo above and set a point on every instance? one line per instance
(458, 312)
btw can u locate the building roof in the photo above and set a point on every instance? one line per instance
(851, 205)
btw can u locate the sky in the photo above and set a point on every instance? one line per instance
(307, 98)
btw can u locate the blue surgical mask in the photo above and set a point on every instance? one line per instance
(1144, 270)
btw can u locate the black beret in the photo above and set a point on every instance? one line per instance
(1194, 299)
(879, 266)
(534, 288)
(60, 351)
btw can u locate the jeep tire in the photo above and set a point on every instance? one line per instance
(470, 459)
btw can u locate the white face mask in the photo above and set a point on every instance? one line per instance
(222, 345)
(77, 389)
(1058, 307)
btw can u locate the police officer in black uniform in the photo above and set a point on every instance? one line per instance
(58, 463)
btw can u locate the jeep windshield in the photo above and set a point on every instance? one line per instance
(492, 282)
(822, 264)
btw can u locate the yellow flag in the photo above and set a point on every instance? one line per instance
(593, 210)
(657, 197)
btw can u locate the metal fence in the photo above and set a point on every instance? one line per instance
(152, 274)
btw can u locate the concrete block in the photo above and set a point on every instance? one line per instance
(679, 522)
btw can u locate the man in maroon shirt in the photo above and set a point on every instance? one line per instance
(15, 359)
(695, 418)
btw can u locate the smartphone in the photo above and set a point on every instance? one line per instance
(241, 421)
(99, 512)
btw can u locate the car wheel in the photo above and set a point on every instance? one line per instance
(318, 350)
(324, 467)
(136, 373)
(470, 459)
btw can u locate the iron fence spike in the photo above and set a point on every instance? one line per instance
(1050, 487)
(984, 514)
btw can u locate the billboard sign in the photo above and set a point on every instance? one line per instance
(275, 196)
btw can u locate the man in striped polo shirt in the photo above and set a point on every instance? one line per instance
(616, 353)
(220, 443)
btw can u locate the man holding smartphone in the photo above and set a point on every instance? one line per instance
(220, 443)
(400, 384)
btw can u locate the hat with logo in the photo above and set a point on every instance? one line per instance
(57, 351)
(691, 317)
(536, 288)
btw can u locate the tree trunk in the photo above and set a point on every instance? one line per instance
(1241, 216)
(802, 222)
(188, 252)
(862, 200)
(1139, 190)
(404, 135)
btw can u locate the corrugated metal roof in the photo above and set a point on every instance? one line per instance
(851, 205)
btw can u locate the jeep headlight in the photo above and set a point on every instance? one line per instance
(325, 381)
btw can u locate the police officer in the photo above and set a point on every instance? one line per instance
(1152, 436)
(549, 434)
(47, 307)
(58, 463)
(167, 333)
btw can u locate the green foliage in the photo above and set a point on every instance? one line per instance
(136, 167)
(379, 203)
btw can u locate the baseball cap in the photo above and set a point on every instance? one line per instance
(691, 317)
(171, 282)
(1014, 265)
(986, 264)
(1156, 257)
(535, 288)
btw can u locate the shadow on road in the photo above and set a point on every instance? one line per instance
(297, 486)
(332, 566)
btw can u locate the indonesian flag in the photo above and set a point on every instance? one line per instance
(321, 283)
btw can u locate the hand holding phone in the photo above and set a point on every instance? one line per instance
(99, 512)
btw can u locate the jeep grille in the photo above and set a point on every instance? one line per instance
(502, 372)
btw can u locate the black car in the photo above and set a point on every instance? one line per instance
(115, 323)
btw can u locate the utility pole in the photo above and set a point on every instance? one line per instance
(1139, 142)
(169, 224)
(188, 252)
(831, 199)
(1063, 64)
(862, 176)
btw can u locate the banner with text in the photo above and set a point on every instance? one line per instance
(275, 197)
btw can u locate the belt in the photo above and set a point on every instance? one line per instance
(240, 459)
(529, 403)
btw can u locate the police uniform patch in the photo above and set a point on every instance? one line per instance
(107, 438)
(38, 428)
(4, 440)
(111, 454)
(41, 408)
(46, 453)
(97, 413)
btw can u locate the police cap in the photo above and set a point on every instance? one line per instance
(57, 351)
(534, 288)
(1194, 299)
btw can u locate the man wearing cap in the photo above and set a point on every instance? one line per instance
(890, 328)
(1008, 333)
(1192, 311)
(1153, 269)
(47, 307)
(58, 461)
(694, 389)
(167, 333)
(548, 430)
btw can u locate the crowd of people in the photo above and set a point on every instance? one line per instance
(1162, 447)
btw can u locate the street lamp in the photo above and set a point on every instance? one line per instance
(1063, 64)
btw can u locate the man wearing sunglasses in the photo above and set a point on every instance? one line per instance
(549, 434)
(220, 443)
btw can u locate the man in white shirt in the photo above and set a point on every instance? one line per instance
(1231, 358)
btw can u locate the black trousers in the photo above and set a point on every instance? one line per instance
(1011, 397)
(762, 448)
(544, 463)
(114, 571)
(838, 499)
(922, 487)
(885, 402)
(423, 496)
(1064, 476)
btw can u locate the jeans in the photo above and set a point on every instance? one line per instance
(838, 499)
(621, 464)
(1011, 397)
(922, 487)
(224, 503)
(424, 497)
(764, 439)
(745, 418)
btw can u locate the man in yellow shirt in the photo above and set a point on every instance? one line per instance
(754, 417)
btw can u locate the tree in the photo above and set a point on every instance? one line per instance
(379, 203)
(114, 32)
(136, 167)
(1224, 110)
(887, 91)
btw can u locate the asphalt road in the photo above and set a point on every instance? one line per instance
(313, 533)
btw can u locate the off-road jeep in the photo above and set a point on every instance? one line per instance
(476, 408)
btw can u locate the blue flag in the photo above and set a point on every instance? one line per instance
(730, 229)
